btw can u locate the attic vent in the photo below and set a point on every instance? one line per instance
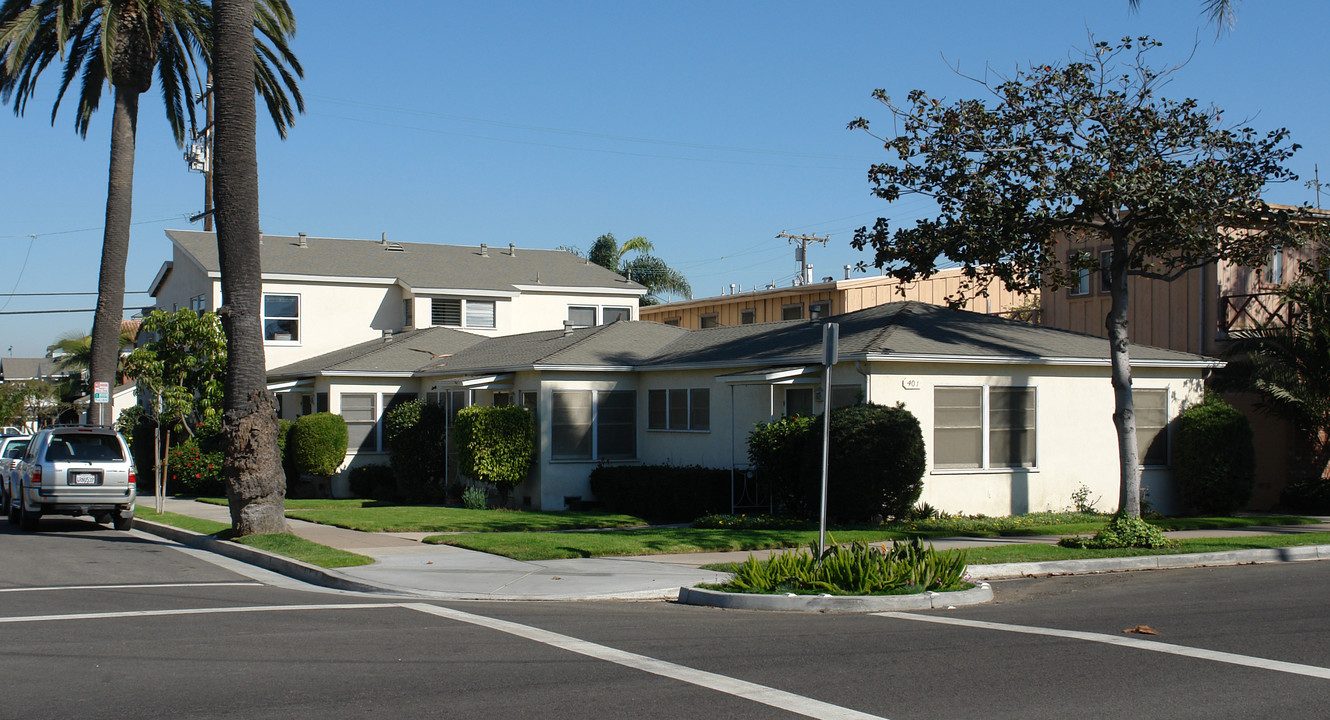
(393, 247)
(484, 250)
(512, 249)
(303, 242)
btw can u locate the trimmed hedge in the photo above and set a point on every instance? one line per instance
(416, 436)
(495, 445)
(319, 443)
(1215, 460)
(662, 493)
(776, 453)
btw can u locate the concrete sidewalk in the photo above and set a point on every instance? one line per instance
(405, 565)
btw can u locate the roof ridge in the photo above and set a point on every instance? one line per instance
(595, 330)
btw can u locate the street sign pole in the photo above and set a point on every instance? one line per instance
(830, 340)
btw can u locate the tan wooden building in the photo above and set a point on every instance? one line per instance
(813, 301)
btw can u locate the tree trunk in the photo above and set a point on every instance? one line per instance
(1124, 409)
(256, 487)
(105, 349)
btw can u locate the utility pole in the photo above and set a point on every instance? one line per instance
(801, 254)
(199, 155)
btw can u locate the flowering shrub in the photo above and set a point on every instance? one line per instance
(194, 472)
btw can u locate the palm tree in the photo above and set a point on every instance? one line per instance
(120, 43)
(646, 268)
(255, 483)
(1223, 13)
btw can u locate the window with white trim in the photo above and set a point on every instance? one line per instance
(611, 314)
(459, 312)
(682, 409)
(360, 413)
(281, 318)
(983, 427)
(709, 320)
(1151, 426)
(198, 303)
(747, 316)
(581, 316)
(1080, 277)
(593, 424)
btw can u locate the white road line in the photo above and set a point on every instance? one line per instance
(1151, 645)
(130, 587)
(193, 611)
(739, 688)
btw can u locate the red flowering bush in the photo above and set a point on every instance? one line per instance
(194, 472)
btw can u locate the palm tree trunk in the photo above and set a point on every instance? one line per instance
(115, 250)
(1124, 408)
(256, 487)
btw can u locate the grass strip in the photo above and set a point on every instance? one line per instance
(1046, 553)
(184, 522)
(647, 541)
(428, 518)
(285, 544)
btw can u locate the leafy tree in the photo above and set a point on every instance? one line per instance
(119, 44)
(255, 483)
(1289, 365)
(645, 268)
(495, 445)
(181, 374)
(1081, 152)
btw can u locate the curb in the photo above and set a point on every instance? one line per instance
(1007, 571)
(279, 564)
(981, 593)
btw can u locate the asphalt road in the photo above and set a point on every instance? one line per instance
(99, 623)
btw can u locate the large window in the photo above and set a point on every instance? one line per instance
(359, 412)
(688, 409)
(611, 314)
(792, 312)
(281, 318)
(581, 316)
(977, 427)
(451, 312)
(1151, 425)
(593, 424)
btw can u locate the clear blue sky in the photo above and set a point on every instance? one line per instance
(708, 127)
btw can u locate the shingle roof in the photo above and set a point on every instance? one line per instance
(419, 265)
(12, 368)
(401, 353)
(906, 328)
(618, 344)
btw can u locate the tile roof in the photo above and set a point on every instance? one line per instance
(419, 265)
(400, 353)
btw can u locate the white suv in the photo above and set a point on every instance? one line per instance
(74, 470)
(11, 450)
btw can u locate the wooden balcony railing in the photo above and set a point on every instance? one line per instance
(1247, 312)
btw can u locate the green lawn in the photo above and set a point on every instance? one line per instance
(1045, 553)
(285, 544)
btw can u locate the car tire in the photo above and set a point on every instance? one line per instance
(103, 518)
(13, 511)
(123, 523)
(27, 519)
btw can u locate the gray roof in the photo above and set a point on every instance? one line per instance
(419, 265)
(906, 328)
(400, 353)
(12, 368)
(619, 344)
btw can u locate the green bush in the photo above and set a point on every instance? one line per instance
(142, 449)
(286, 447)
(1122, 531)
(876, 462)
(1214, 460)
(319, 443)
(860, 569)
(193, 471)
(373, 482)
(1311, 497)
(495, 445)
(776, 454)
(662, 493)
(416, 435)
(475, 498)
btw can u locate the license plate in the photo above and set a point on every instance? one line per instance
(84, 478)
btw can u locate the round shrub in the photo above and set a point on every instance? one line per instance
(875, 466)
(1215, 461)
(776, 454)
(319, 443)
(495, 445)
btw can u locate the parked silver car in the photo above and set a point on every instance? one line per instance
(74, 470)
(11, 450)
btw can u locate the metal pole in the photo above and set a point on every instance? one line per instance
(830, 354)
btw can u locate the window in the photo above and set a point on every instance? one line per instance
(480, 313)
(1273, 272)
(361, 421)
(679, 409)
(969, 421)
(798, 401)
(710, 321)
(611, 314)
(445, 311)
(582, 316)
(1105, 271)
(501, 399)
(451, 312)
(1151, 426)
(406, 312)
(198, 303)
(747, 316)
(321, 402)
(281, 318)
(1080, 281)
(819, 310)
(672, 322)
(792, 312)
(845, 395)
(593, 424)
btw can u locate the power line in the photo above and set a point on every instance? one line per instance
(53, 294)
(43, 312)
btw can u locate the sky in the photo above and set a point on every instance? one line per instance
(707, 127)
